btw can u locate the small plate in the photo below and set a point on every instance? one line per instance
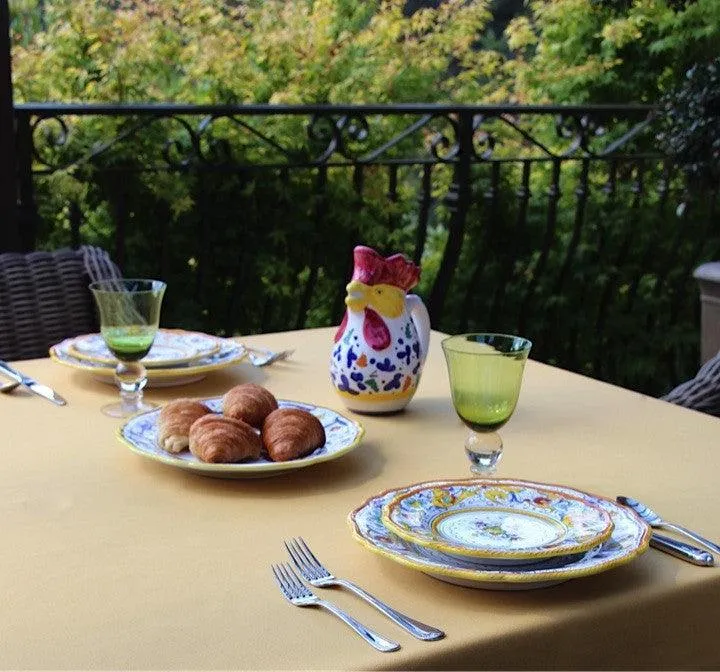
(629, 539)
(497, 520)
(170, 348)
(342, 435)
(230, 354)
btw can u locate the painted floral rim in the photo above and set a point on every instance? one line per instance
(630, 539)
(417, 514)
(230, 353)
(139, 434)
(190, 346)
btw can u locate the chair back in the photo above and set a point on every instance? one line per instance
(44, 298)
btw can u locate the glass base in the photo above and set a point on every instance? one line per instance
(120, 410)
(484, 450)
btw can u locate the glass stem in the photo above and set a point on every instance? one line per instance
(131, 377)
(484, 449)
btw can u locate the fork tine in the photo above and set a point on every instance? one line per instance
(298, 587)
(307, 565)
(310, 556)
(280, 581)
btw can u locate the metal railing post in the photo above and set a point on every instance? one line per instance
(9, 234)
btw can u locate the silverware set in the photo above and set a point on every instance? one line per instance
(317, 575)
(29, 383)
(688, 552)
(263, 357)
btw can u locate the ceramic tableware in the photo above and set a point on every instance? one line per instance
(140, 434)
(382, 342)
(230, 354)
(629, 539)
(497, 521)
(171, 347)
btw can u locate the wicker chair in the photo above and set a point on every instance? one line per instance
(44, 298)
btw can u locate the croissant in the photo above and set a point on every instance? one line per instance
(215, 438)
(289, 433)
(175, 421)
(250, 403)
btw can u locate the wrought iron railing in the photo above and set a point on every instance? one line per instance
(562, 222)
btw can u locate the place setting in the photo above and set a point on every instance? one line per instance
(503, 533)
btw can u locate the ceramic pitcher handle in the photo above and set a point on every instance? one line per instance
(421, 318)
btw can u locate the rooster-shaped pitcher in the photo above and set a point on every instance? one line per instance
(383, 340)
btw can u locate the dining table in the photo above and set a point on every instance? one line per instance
(110, 560)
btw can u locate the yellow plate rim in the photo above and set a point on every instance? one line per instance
(245, 467)
(155, 373)
(156, 364)
(451, 549)
(499, 576)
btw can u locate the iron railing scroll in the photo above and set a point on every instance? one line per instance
(564, 223)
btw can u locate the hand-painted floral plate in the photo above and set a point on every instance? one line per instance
(170, 348)
(629, 539)
(140, 434)
(497, 520)
(230, 354)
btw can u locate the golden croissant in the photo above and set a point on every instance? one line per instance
(289, 433)
(250, 403)
(175, 421)
(215, 438)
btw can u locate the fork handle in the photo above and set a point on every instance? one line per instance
(414, 627)
(379, 642)
(694, 536)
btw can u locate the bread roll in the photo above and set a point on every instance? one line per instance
(214, 438)
(250, 403)
(289, 433)
(174, 423)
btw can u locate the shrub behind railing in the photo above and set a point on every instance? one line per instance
(563, 224)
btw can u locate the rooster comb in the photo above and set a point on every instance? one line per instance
(371, 268)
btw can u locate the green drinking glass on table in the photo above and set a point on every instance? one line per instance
(129, 312)
(486, 372)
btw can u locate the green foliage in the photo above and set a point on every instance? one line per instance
(691, 133)
(598, 277)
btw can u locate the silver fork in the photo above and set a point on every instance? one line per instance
(260, 357)
(316, 574)
(301, 596)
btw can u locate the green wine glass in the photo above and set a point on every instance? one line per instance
(486, 372)
(129, 318)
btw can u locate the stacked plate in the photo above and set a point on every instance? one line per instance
(177, 357)
(500, 534)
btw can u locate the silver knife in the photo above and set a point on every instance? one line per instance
(32, 385)
(693, 554)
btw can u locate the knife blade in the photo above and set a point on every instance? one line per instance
(687, 552)
(37, 388)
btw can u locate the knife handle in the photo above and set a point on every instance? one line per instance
(681, 550)
(15, 375)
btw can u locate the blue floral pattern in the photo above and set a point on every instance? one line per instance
(629, 539)
(140, 433)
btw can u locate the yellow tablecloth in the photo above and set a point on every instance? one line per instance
(110, 560)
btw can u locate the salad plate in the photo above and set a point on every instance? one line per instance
(342, 435)
(171, 347)
(230, 353)
(499, 521)
(629, 539)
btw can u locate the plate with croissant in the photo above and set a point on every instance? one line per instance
(246, 433)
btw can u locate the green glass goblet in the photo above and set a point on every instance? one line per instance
(486, 372)
(129, 318)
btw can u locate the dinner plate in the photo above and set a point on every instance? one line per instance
(629, 539)
(171, 347)
(497, 520)
(140, 434)
(230, 354)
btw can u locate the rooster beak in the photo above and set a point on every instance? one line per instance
(356, 298)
